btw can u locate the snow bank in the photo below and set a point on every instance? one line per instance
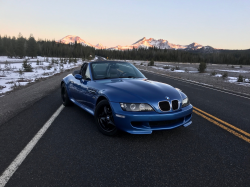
(11, 78)
(235, 71)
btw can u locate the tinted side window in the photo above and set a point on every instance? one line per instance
(83, 70)
(87, 74)
(99, 70)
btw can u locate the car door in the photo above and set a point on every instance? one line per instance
(78, 88)
(90, 91)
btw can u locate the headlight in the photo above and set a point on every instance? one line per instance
(136, 107)
(185, 102)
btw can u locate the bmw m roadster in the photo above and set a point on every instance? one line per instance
(120, 97)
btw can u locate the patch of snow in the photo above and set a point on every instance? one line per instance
(95, 58)
(241, 83)
(218, 75)
(232, 79)
(193, 71)
(180, 71)
(156, 67)
(10, 78)
(235, 71)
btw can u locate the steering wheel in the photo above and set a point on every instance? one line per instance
(127, 74)
(122, 74)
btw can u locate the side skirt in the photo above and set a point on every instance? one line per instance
(83, 107)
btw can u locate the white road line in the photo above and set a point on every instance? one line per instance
(190, 82)
(24, 153)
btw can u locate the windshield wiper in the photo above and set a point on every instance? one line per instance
(128, 77)
(103, 78)
(116, 77)
(107, 78)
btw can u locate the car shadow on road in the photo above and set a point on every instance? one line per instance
(87, 124)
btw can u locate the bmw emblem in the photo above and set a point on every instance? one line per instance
(167, 98)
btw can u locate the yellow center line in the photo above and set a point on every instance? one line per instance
(229, 125)
(223, 127)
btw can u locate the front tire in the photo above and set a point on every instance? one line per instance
(104, 119)
(65, 97)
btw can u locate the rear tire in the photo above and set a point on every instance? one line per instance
(104, 119)
(65, 97)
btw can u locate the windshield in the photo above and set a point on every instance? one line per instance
(111, 70)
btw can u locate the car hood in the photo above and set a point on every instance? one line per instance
(138, 91)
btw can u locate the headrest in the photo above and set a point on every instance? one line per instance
(114, 66)
(113, 71)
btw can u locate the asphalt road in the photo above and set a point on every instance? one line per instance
(73, 152)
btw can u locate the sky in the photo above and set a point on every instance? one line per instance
(221, 24)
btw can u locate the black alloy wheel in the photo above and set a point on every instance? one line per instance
(64, 94)
(104, 119)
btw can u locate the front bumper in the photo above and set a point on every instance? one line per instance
(146, 122)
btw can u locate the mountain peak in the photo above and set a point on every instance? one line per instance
(143, 39)
(160, 43)
(142, 43)
(195, 44)
(99, 46)
(71, 39)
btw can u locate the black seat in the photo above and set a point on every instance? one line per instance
(113, 72)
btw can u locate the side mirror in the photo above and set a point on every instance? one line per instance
(78, 76)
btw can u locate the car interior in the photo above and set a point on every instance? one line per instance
(107, 70)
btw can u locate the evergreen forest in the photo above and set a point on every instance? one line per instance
(19, 47)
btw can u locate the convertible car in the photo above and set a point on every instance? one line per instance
(120, 97)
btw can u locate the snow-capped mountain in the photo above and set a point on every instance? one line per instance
(193, 46)
(142, 43)
(100, 46)
(161, 44)
(72, 39)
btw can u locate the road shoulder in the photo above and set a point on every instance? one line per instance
(18, 100)
(202, 80)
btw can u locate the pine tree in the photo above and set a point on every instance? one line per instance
(14, 43)
(202, 67)
(151, 63)
(240, 78)
(10, 50)
(32, 47)
(1, 46)
(20, 49)
(27, 66)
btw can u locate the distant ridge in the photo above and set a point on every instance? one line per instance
(142, 43)
(161, 44)
(72, 39)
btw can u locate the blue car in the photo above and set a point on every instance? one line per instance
(120, 97)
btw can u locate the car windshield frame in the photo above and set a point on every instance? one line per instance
(114, 63)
